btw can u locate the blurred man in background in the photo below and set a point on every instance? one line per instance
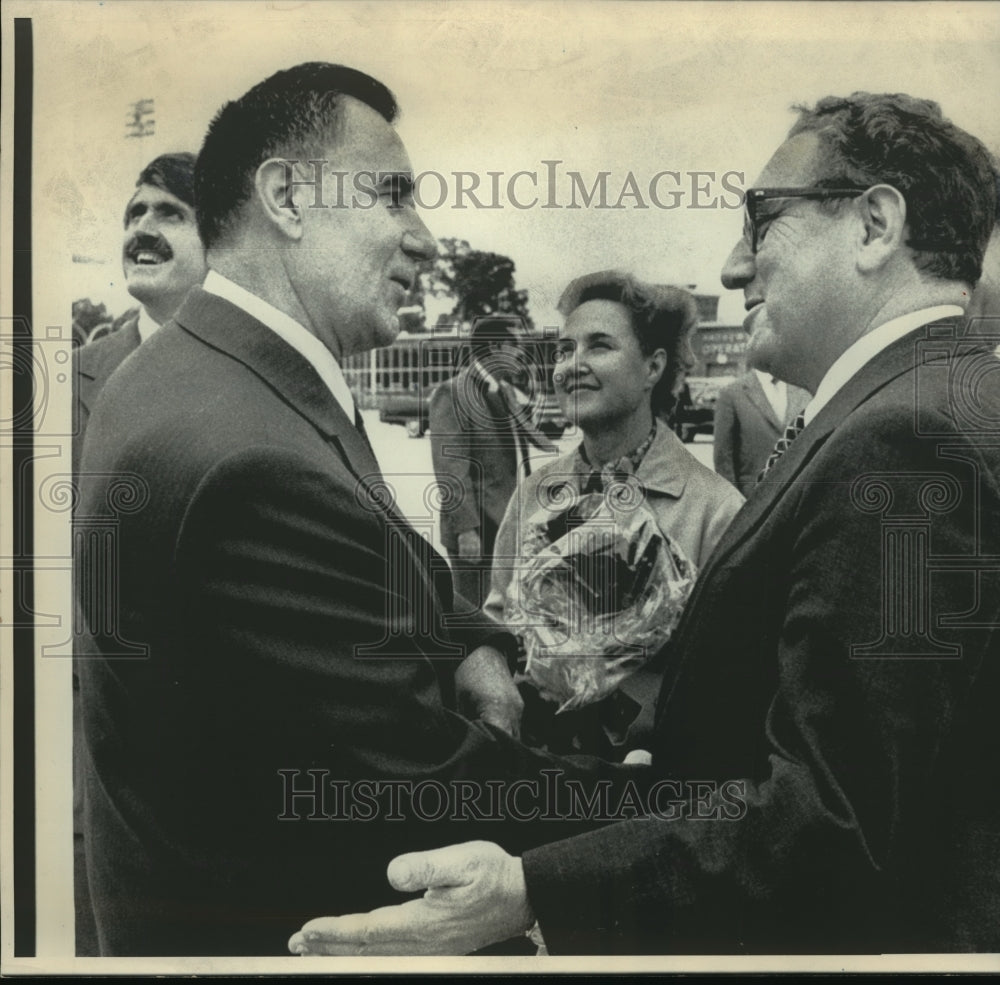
(481, 440)
(750, 415)
(162, 259)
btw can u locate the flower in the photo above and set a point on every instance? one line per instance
(598, 592)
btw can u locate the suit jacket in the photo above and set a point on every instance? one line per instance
(291, 622)
(746, 429)
(93, 363)
(840, 661)
(474, 450)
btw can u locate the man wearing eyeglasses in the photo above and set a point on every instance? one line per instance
(839, 659)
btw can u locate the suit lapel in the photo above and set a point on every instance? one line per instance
(886, 366)
(756, 395)
(99, 359)
(496, 406)
(229, 329)
(131, 334)
(897, 359)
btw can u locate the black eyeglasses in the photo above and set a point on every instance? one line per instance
(753, 224)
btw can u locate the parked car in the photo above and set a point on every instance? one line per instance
(406, 407)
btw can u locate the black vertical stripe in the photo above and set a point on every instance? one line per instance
(22, 435)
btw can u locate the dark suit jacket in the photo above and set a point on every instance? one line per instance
(292, 622)
(93, 363)
(746, 429)
(474, 452)
(848, 687)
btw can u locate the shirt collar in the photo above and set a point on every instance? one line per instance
(767, 381)
(861, 352)
(146, 324)
(294, 333)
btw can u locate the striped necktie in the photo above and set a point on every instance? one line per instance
(781, 446)
(520, 415)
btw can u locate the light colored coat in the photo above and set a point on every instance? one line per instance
(693, 506)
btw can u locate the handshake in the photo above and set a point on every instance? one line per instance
(475, 893)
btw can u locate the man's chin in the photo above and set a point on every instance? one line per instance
(142, 289)
(759, 353)
(386, 332)
(145, 281)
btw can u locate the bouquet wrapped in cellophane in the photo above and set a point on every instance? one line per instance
(598, 591)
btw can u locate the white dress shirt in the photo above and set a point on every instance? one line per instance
(776, 393)
(146, 324)
(868, 347)
(295, 334)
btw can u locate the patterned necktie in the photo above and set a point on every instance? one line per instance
(601, 478)
(781, 446)
(520, 414)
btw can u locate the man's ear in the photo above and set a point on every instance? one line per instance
(280, 196)
(883, 213)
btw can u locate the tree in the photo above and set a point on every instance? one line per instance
(480, 283)
(88, 316)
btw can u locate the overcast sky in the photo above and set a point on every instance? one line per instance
(616, 87)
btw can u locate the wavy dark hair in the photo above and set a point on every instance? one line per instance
(295, 113)
(173, 173)
(662, 317)
(946, 175)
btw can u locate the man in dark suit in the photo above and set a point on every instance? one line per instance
(839, 660)
(750, 415)
(162, 259)
(481, 440)
(269, 675)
